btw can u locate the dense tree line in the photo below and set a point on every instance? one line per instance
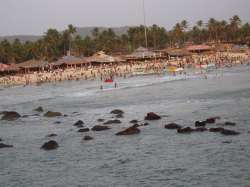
(55, 44)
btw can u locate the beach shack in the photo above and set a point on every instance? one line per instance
(70, 62)
(142, 54)
(100, 58)
(177, 53)
(199, 48)
(33, 66)
(11, 69)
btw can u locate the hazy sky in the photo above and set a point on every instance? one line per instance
(36, 16)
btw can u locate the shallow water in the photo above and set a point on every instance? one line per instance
(156, 157)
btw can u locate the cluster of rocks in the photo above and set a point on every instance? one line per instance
(201, 126)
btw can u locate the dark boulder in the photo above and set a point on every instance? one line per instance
(1, 139)
(51, 135)
(5, 146)
(217, 129)
(39, 109)
(185, 130)
(212, 120)
(145, 124)
(172, 126)
(50, 114)
(228, 123)
(100, 128)
(229, 132)
(51, 145)
(119, 116)
(10, 116)
(79, 124)
(87, 138)
(117, 112)
(201, 129)
(100, 120)
(134, 121)
(200, 123)
(152, 116)
(84, 130)
(129, 131)
(115, 121)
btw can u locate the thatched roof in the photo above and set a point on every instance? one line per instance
(101, 57)
(141, 53)
(178, 52)
(199, 48)
(33, 64)
(12, 68)
(3, 66)
(70, 60)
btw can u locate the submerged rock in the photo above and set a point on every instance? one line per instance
(2, 145)
(79, 124)
(212, 120)
(185, 130)
(172, 126)
(39, 109)
(119, 116)
(129, 131)
(51, 145)
(200, 123)
(134, 121)
(217, 129)
(1, 139)
(117, 112)
(201, 129)
(228, 123)
(116, 121)
(100, 120)
(100, 128)
(145, 124)
(10, 116)
(84, 130)
(50, 114)
(229, 132)
(152, 116)
(51, 135)
(87, 138)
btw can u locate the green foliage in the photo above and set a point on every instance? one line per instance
(55, 44)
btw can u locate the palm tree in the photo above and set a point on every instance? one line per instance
(71, 31)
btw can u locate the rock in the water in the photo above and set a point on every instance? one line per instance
(100, 120)
(10, 116)
(134, 121)
(212, 120)
(57, 122)
(185, 130)
(129, 131)
(115, 121)
(152, 116)
(200, 123)
(201, 129)
(219, 129)
(51, 135)
(100, 128)
(5, 146)
(117, 112)
(39, 109)
(1, 139)
(229, 132)
(51, 145)
(84, 130)
(87, 138)
(172, 126)
(119, 116)
(79, 124)
(228, 123)
(50, 114)
(145, 124)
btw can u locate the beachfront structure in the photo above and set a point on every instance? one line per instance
(199, 48)
(70, 62)
(33, 65)
(145, 54)
(3, 66)
(177, 53)
(100, 58)
(10, 70)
